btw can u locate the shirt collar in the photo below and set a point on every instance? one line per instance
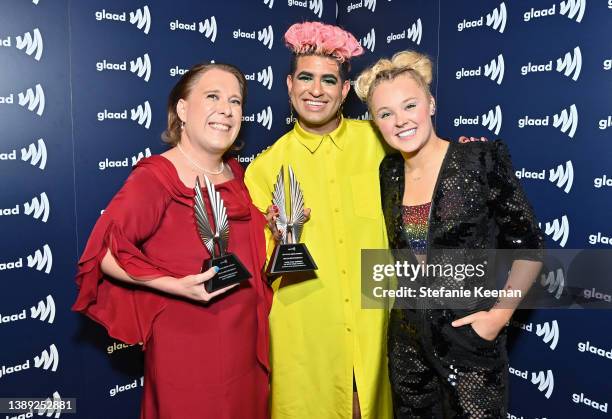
(313, 141)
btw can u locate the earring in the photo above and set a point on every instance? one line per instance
(433, 110)
(291, 117)
(182, 124)
(340, 109)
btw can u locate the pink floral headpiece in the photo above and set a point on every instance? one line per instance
(319, 38)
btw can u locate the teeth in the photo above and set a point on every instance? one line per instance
(220, 126)
(314, 103)
(407, 133)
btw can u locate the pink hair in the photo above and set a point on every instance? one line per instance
(319, 38)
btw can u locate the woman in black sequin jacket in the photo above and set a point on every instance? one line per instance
(447, 203)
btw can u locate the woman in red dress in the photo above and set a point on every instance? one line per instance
(206, 354)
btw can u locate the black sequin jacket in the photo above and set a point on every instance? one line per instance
(478, 203)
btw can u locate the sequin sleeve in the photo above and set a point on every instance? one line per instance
(514, 215)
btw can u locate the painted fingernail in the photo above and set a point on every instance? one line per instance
(216, 268)
(275, 208)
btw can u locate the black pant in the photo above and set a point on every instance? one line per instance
(438, 371)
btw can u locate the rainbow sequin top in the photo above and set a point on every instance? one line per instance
(415, 219)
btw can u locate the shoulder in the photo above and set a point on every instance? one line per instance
(391, 163)
(361, 129)
(480, 151)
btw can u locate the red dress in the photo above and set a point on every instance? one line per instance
(201, 360)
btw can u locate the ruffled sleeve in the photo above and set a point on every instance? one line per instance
(131, 217)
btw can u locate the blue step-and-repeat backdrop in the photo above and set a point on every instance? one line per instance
(83, 89)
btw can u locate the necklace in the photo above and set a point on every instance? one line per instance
(197, 166)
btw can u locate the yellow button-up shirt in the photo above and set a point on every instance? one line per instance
(319, 332)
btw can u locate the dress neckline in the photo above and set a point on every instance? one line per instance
(186, 188)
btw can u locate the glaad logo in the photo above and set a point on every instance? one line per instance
(605, 123)
(562, 176)
(141, 114)
(566, 121)
(56, 401)
(545, 382)
(208, 27)
(47, 360)
(365, 116)
(315, 6)
(120, 389)
(599, 238)
(369, 40)
(35, 153)
(264, 118)
(107, 163)
(598, 182)
(549, 332)
(368, 4)
(558, 230)
(587, 347)
(573, 9)
(141, 66)
(413, 33)
(41, 260)
(44, 311)
(38, 207)
(570, 65)
(139, 17)
(32, 43)
(582, 399)
(493, 70)
(265, 36)
(265, 77)
(269, 3)
(492, 120)
(33, 100)
(495, 20)
(607, 64)
(554, 282)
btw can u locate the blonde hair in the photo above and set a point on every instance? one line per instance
(417, 65)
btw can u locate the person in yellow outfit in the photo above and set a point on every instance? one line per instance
(328, 355)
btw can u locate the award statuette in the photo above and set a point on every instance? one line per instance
(231, 270)
(289, 255)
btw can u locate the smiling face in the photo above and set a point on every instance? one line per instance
(402, 111)
(212, 112)
(316, 92)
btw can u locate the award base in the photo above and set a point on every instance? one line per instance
(231, 271)
(290, 258)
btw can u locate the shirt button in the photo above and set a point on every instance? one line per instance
(348, 329)
(336, 210)
(331, 181)
(346, 300)
(340, 241)
(344, 271)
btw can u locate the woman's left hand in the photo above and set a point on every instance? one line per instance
(486, 324)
